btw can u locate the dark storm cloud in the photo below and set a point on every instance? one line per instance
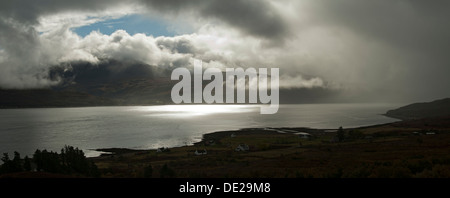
(29, 11)
(416, 36)
(254, 17)
(413, 25)
(257, 18)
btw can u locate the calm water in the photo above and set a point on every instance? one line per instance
(143, 127)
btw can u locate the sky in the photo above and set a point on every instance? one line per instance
(131, 23)
(380, 50)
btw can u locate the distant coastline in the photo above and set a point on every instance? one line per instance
(437, 108)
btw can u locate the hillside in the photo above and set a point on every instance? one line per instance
(112, 83)
(50, 98)
(119, 93)
(107, 84)
(436, 108)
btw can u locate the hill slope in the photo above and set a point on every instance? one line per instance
(436, 108)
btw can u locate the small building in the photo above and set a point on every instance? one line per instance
(430, 133)
(197, 152)
(162, 149)
(233, 135)
(242, 147)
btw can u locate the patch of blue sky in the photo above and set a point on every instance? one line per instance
(133, 24)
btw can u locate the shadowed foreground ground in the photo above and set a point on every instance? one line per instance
(404, 149)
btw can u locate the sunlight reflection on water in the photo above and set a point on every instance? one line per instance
(195, 110)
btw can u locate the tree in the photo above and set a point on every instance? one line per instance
(16, 156)
(47, 161)
(37, 158)
(340, 134)
(73, 160)
(11, 166)
(27, 163)
(6, 166)
(5, 158)
(16, 162)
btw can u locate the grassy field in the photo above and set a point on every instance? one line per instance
(396, 150)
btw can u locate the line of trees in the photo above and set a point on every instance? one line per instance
(16, 164)
(70, 161)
